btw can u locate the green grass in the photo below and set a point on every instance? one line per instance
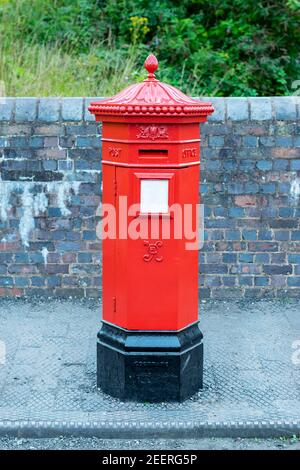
(50, 70)
(40, 70)
(96, 47)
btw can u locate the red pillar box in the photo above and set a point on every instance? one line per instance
(150, 345)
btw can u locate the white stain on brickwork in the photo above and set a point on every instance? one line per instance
(295, 189)
(4, 200)
(63, 191)
(34, 205)
(45, 254)
(40, 203)
(9, 238)
(27, 219)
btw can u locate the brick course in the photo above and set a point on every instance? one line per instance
(250, 185)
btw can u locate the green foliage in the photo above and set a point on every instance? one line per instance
(216, 47)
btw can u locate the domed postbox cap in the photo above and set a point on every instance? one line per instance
(152, 99)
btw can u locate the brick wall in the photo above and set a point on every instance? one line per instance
(50, 190)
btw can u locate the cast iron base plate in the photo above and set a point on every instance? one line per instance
(152, 366)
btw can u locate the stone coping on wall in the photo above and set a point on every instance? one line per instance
(53, 109)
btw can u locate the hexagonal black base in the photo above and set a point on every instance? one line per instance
(150, 365)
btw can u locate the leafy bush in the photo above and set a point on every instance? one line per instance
(216, 47)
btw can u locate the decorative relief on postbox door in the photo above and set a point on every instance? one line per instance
(152, 132)
(153, 251)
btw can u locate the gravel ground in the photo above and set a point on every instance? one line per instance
(63, 443)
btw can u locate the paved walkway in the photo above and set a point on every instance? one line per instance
(251, 381)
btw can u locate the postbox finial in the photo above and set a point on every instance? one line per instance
(151, 65)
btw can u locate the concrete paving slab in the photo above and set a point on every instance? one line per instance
(48, 378)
